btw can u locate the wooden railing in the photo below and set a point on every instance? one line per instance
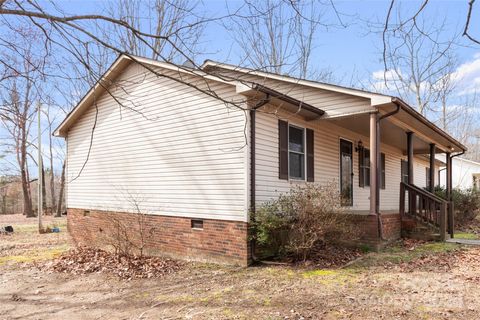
(427, 207)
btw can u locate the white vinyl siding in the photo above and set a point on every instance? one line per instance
(463, 172)
(333, 103)
(180, 153)
(327, 162)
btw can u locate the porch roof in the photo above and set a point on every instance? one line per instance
(407, 119)
(393, 129)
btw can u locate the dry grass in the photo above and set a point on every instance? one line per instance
(403, 282)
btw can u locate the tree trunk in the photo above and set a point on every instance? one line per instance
(27, 201)
(52, 175)
(44, 190)
(60, 195)
(4, 204)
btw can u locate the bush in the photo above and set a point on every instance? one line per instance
(466, 203)
(301, 219)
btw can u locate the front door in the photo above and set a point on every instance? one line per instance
(346, 172)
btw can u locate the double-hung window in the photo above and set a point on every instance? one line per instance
(364, 168)
(427, 175)
(404, 170)
(296, 153)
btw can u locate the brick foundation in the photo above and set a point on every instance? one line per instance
(369, 228)
(219, 241)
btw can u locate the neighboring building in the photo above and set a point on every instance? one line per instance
(195, 150)
(465, 174)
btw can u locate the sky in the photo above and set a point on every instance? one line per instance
(352, 52)
(347, 50)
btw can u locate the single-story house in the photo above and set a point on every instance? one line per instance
(465, 174)
(196, 150)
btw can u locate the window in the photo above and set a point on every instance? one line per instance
(296, 152)
(382, 169)
(404, 171)
(346, 172)
(364, 167)
(427, 174)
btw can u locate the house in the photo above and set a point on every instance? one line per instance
(465, 174)
(195, 151)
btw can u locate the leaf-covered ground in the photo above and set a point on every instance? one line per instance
(413, 280)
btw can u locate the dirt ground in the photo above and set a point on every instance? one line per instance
(426, 281)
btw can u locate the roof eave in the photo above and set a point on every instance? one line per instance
(407, 108)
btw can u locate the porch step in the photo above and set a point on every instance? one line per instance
(424, 236)
(415, 229)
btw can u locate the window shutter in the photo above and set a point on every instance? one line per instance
(361, 167)
(310, 156)
(382, 168)
(283, 149)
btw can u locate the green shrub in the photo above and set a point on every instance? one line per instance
(466, 203)
(301, 219)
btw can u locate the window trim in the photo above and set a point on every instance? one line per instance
(383, 171)
(402, 161)
(427, 177)
(352, 168)
(304, 136)
(364, 168)
(382, 177)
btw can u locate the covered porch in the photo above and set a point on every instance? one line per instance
(396, 124)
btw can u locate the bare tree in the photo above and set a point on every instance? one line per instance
(419, 62)
(86, 42)
(61, 191)
(51, 123)
(17, 116)
(160, 17)
(274, 38)
(418, 58)
(445, 88)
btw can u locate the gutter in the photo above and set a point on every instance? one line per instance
(276, 94)
(405, 107)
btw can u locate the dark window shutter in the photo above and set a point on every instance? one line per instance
(361, 167)
(283, 149)
(310, 156)
(382, 168)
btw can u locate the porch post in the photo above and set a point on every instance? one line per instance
(410, 157)
(448, 176)
(373, 163)
(431, 187)
(412, 203)
(379, 168)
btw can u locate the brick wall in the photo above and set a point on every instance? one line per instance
(369, 227)
(219, 241)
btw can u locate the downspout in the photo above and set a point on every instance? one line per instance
(452, 231)
(458, 154)
(379, 218)
(253, 110)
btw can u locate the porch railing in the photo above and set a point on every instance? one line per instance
(426, 207)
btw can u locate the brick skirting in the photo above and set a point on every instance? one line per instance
(219, 241)
(369, 227)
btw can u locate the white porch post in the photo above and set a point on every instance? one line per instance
(373, 163)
